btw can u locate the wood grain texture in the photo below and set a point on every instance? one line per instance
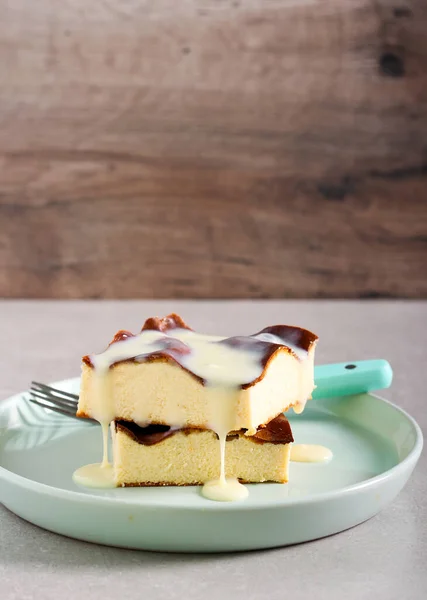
(213, 149)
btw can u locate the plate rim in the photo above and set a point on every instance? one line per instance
(408, 463)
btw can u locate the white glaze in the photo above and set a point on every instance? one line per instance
(95, 475)
(229, 490)
(310, 453)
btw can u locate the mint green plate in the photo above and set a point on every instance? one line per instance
(375, 444)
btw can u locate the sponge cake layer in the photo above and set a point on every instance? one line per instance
(191, 457)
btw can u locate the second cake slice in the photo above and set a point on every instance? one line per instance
(160, 455)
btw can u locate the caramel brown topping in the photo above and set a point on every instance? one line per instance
(297, 336)
(277, 431)
(165, 324)
(172, 349)
(121, 335)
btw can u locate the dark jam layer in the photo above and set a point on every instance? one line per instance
(292, 338)
(277, 431)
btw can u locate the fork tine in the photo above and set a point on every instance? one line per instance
(53, 390)
(66, 412)
(70, 404)
(51, 394)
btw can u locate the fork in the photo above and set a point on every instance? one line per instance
(340, 379)
(54, 399)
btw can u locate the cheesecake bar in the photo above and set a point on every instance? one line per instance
(159, 455)
(160, 387)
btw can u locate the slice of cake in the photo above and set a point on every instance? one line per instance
(186, 408)
(167, 382)
(161, 455)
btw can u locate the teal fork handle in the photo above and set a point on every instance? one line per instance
(344, 379)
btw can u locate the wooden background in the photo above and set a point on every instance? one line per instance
(259, 148)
